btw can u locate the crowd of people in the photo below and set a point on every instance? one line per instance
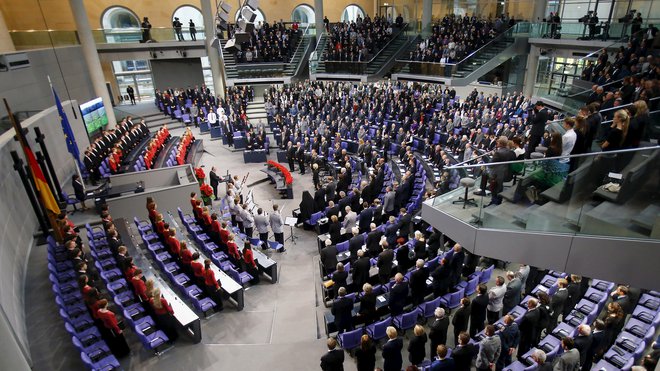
(155, 146)
(113, 145)
(454, 37)
(268, 43)
(359, 40)
(184, 146)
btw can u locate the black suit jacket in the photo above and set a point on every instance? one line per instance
(361, 269)
(329, 257)
(461, 318)
(418, 282)
(342, 310)
(393, 361)
(398, 297)
(538, 121)
(334, 230)
(354, 244)
(333, 360)
(215, 179)
(438, 330)
(557, 303)
(528, 327)
(339, 279)
(373, 242)
(404, 225)
(478, 312)
(384, 264)
(463, 356)
(365, 219)
(582, 344)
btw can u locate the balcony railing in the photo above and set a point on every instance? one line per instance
(602, 194)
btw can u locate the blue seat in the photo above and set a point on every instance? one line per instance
(142, 226)
(551, 346)
(601, 285)
(106, 363)
(87, 336)
(342, 246)
(470, 286)
(486, 274)
(407, 321)
(453, 299)
(70, 200)
(377, 330)
(428, 308)
(350, 339)
(152, 341)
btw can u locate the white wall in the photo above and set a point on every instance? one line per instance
(18, 222)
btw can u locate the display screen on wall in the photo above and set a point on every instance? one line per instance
(94, 115)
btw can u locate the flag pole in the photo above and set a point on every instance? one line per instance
(18, 166)
(41, 139)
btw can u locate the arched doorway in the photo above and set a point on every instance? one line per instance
(351, 13)
(187, 13)
(303, 13)
(120, 24)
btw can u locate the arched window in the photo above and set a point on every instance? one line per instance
(187, 13)
(260, 16)
(351, 13)
(120, 25)
(303, 13)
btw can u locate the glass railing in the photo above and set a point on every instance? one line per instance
(136, 35)
(575, 30)
(35, 39)
(605, 193)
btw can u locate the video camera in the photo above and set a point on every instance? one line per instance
(586, 18)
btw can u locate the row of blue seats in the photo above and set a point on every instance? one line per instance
(132, 310)
(638, 332)
(173, 269)
(85, 336)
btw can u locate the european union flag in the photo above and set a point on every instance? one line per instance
(68, 133)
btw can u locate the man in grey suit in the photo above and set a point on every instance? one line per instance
(277, 225)
(350, 220)
(248, 221)
(388, 201)
(512, 293)
(489, 349)
(570, 359)
(261, 223)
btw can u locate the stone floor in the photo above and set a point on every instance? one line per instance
(281, 327)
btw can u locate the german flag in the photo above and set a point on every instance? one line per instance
(40, 182)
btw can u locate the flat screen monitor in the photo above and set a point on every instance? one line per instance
(93, 113)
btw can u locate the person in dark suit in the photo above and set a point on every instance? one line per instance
(215, 180)
(367, 311)
(417, 346)
(384, 263)
(461, 318)
(478, 312)
(557, 303)
(333, 360)
(583, 341)
(573, 294)
(441, 278)
(464, 353)
(329, 257)
(355, 244)
(291, 156)
(528, 327)
(438, 329)
(361, 269)
(403, 260)
(365, 217)
(598, 345)
(392, 358)
(366, 354)
(339, 277)
(342, 309)
(334, 230)
(373, 241)
(620, 296)
(537, 121)
(398, 295)
(539, 357)
(456, 265)
(300, 156)
(510, 339)
(418, 282)
(79, 190)
(405, 223)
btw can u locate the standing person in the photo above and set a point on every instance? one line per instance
(333, 360)
(366, 354)
(215, 181)
(461, 318)
(248, 221)
(300, 156)
(512, 293)
(478, 312)
(177, 28)
(443, 363)
(163, 311)
(193, 30)
(392, 359)
(464, 352)
(261, 223)
(79, 190)
(570, 359)
(509, 338)
(537, 121)
(250, 263)
(490, 348)
(131, 94)
(342, 309)
(417, 346)
(146, 30)
(110, 331)
(291, 156)
(495, 298)
(212, 286)
(438, 332)
(277, 225)
(528, 327)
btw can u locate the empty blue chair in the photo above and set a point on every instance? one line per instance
(551, 346)
(106, 363)
(152, 341)
(649, 301)
(377, 330)
(453, 299)
(407, 320)
(87, 337)
(601, 285)
(342, 246)
(469, 286)
(486, 274)
(428, 308)
(517, 313)
(564, 329)
(350, 339)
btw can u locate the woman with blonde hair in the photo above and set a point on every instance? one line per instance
(618, 132)
(638, 125)
(164, 315)
(417, 346)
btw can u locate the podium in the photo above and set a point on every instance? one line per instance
(216, 132)
(256, 156)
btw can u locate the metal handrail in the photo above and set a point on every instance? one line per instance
(299, 44)
(402, 30)
(471, 54)
(302, 59)
(461, 166)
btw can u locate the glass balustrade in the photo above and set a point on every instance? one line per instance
(34, 39)
(605, 193)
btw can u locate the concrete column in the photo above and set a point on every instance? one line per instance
(215, 59)
(92, 56)
(531, 70)
(318, 17)
(538, 12)
(427, 14)
(6, 43)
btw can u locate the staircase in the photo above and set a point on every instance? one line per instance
(157, 119)
(389, 54)
(505, 46)
(231, 70)
(255, 110)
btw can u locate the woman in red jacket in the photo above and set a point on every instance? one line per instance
(212, 286)
(198, 269)
(233, 249)
(164, 315)
(111, 332)
(250, 264)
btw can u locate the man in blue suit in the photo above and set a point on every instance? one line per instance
(442, 363)
(510, 338)
(393, 361)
